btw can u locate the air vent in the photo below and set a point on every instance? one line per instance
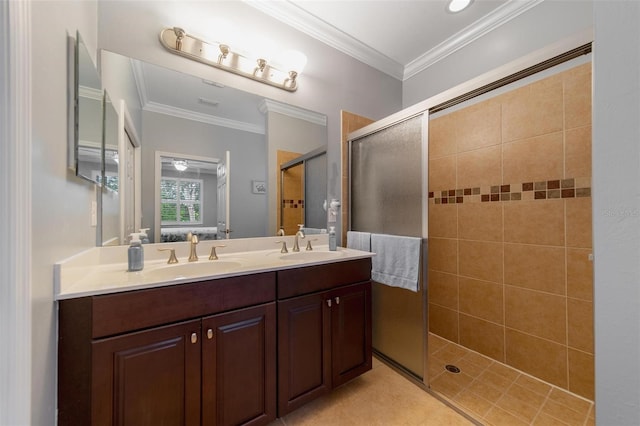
(209, 102)
(212, 83)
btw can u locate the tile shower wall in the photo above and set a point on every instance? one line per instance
(510, 229)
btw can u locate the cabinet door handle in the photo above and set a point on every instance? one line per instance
(194, 338)
(329, 302)
(209, 334)
(337, 300)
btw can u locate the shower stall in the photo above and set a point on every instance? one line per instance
(495, 177)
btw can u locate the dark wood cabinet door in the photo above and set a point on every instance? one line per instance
(150, 377)
(350, 332)
(239, 367)
(304, 350)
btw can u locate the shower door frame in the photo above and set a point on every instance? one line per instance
(424, 149)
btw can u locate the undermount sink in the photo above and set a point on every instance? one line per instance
(194, 269)
(313, 255)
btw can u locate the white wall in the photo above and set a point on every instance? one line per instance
(616, 211)
(61, 221)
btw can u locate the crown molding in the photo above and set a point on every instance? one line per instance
(186, 114)
(141, 85)
(267, 105)
(202, 118)
(488, 23)
(301, 20)
(90, 93)
(307, 23)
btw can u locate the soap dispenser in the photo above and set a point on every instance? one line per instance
(144, 238)
(332, 238)
(135, 253)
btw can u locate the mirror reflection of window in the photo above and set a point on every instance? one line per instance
(181, 201)
(187, 197)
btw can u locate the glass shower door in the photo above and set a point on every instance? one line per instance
(386, 198)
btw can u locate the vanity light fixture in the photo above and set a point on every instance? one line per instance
(456, 6)
(180, 165)
(221, 56)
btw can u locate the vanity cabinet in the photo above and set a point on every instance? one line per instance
(181, 355)
(324, 329)
(230, 351)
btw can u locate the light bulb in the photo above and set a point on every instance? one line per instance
(458, 5)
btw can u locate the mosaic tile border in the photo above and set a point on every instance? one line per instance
(541, 190)
(292, 204)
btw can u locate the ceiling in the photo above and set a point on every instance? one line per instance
(398, 37)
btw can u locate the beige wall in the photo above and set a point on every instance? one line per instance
(510, 229)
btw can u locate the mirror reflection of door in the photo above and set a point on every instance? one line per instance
(292, 202)
(187, 197)
(129, 182)
(224, 197)
(302, 190)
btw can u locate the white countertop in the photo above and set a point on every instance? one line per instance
(103, 270)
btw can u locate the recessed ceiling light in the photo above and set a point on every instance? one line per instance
(458, 5)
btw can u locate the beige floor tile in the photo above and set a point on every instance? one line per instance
(498, 417)
(467, 366)
(472, 403)
(450, 384)
(518, 408)
(477, 359)
(565, 398)
(495, 380)
(546, 420)
(504, 371)
(534, 385)
(526, 395)
(486, 391)
(436, 343)
(563, 413)
(379, 397)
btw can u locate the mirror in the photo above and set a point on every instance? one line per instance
(85, 146)
(110, 194)
(187, 117)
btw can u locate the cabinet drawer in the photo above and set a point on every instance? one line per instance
(134, 310)
(295, 282)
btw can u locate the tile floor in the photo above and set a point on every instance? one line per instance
(379, 397)
(498, 395)
(490, 392)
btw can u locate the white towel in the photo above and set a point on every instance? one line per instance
(359, 240)
(397, 260)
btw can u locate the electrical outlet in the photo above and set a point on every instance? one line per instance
(333, 216)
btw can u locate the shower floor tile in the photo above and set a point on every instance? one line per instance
(497, 395)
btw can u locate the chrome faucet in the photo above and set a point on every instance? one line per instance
(193, 241)
(299, 234)
(280, 232)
